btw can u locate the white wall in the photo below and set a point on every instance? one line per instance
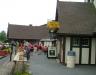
(67, 47)
(77, 51)
(95, 3)
(85, 56)
(47, 43)
(93, 51)
(85, 52)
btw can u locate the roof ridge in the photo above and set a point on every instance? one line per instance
(16, 24)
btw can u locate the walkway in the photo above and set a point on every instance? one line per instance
(4, 60)
(40, 65)
(3, 63)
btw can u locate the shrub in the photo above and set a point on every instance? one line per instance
(24, 72)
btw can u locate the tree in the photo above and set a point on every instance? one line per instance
(3, 36)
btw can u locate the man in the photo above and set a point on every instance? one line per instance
(27, 51)
(13, 49)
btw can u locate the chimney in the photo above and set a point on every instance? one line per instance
(30, 24)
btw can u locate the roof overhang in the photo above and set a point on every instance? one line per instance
(48, 40)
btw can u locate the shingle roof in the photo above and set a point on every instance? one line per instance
(27, 32)
(76, 18)
(95, 30)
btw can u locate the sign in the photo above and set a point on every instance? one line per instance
(51, 51)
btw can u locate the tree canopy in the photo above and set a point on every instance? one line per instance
(3, 36)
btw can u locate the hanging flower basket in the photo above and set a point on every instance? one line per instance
(53, 25)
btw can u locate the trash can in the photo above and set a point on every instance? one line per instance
(71, 59)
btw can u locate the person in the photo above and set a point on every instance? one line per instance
(27, 52)
(30, 46)
(13, 49)
(21, 46)
(35, 48)
(45, 49)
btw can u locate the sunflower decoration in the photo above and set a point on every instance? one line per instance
(53, 26)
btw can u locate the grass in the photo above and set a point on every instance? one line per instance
(22, 73)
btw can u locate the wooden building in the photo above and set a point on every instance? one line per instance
(29, 33)
(77, 31)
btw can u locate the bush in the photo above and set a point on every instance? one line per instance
(22, 73)
(26, 73)
(7, 49)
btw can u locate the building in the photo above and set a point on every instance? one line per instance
(95, 3)
(91, 1)
(77, 31)
(29, 33)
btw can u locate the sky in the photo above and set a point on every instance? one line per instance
(25, 12)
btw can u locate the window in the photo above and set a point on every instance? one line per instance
(85, 41)
(76, 41)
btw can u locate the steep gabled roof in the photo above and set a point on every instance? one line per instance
(76, 18)
(27, 32)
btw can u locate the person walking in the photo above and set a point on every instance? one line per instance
(13, 49)
(27, 52)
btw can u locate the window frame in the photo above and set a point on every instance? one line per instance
(80, 41)
(83, 41)
(74, 41)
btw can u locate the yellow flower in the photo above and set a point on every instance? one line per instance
(53, 25)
